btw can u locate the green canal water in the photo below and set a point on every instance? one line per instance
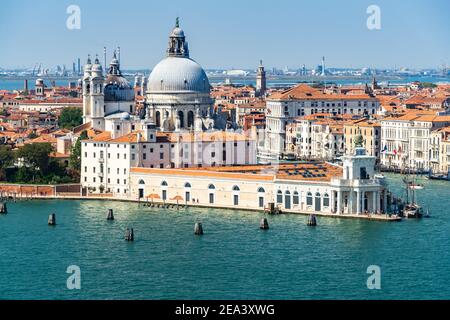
(233, 260)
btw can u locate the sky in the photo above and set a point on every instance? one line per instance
(232, 34)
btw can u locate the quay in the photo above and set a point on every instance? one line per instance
(159, 204)
(321, 189)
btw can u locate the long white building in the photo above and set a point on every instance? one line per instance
(284, 107)
(303, 188)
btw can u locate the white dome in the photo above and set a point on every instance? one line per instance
(175, 74)
(177, 32)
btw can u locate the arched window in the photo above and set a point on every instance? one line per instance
(211, 187)
(181, 117)
(190, 119)
(261, 189)
(164, 184)
(309, 199)
(279, 196)
(326, 200)
(158, 119)
(187, 185)
(295, 199)
(236, 188)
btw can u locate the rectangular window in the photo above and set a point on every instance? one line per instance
(161, 155)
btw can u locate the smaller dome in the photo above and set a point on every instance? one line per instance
(96, 68)
(39, 81)
(119, 116)
(177, 32)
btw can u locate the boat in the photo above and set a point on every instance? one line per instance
(412, 210)
(379, 176)
(441, 176)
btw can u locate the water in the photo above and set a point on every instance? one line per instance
(233, 260)
(10, 84)
(14, 84)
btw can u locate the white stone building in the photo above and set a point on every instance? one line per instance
(314, 188)
(302, 100)
(406, 141)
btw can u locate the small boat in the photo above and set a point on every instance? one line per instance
(438, 177)
(379, 176)
(416, 186)
(412, 210)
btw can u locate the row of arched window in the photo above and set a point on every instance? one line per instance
(210, 187)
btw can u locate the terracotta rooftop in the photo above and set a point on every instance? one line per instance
(306, 92)
(319, 172)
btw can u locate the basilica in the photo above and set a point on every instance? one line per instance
(177, 96)
(176, 128)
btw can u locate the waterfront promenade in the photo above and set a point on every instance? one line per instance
(15, 192)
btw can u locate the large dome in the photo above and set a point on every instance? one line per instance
(178, 74)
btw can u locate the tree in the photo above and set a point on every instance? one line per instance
(428, 85)
(70, 117)
(359, 141)
(75, 155)
(6, 160)
(36, 156)
(32, 135)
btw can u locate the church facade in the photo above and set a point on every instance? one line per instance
(179, 128)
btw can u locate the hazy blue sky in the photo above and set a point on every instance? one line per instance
(229, 34)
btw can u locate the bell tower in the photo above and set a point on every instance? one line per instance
(260, 80)
(96, 96)
(87, 90)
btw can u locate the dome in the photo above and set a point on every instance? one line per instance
(177, 32)
(175, 74)
(96, 68)
(117, 88)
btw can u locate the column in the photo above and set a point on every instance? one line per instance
(339, 202)
(358, 202)
(384, 201)
(374, 201)
(350, 202)
(332, 197)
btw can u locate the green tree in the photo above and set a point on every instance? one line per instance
(6, 160)
(359, 141)
(428, 85)
(36, 157)
(70, 117)
(75, 154)
(32, 135)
